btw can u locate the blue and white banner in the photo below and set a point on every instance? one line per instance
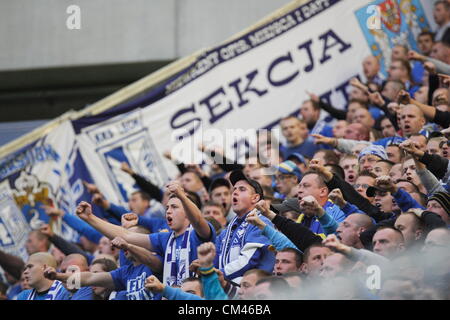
(248, 83)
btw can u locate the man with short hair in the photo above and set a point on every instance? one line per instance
(272, 288)
(310, 112)
(400, 70)
(335, 265)
(441, 15)
(295, 132)
(242, 246)
(425, 42)
(287, 260)
(128, 280)
(412, 120)
(313, 184)
(411, 227)
(371, 69)
(357, 131)
(382, 167)
(248, 283)
(42, 288)
(351, 228)
(77, 263)
(216, 211)
(220, 192)
(388, 242)
(313, 258)
(350, 165)
(37, 242)
(176, 248)
(363, 117)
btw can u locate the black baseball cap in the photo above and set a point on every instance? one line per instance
(238, 175)
(290, 204)
(219, 182)
(370, 192)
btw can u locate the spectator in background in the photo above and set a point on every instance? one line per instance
(295, 132)
(441, 15)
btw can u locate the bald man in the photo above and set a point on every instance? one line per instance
(371, 69)
(388, 242)
(357, 131)
(77, 263)
(364, 117)
(412, 120)
(42, 288)
(350, 229)
(439, 237)
(411, 227)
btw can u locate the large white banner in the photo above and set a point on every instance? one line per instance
(248, 83)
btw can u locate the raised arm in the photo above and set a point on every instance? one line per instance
(193, 213)
(84, 211)
(87, 279)
(142, 255)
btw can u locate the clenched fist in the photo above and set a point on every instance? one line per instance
(253, 219)
(337, 197)
(120, 243)
(129, 220)
(154, 285)
(310, 207)
(206, 254)
(84, 210)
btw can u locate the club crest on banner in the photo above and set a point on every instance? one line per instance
(399, 23)
(31, 195)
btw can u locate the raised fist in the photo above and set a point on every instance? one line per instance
(310, 206)
(175, 188)
(403, 97)
(333, 243)
(154, 285)
(385, 183)
(337, 197)
(206, 253)
(411, 147)
(84, 210)
(254, 219)
(45, 229)
(263, 207)
(119, 243)
(99, 200)
(129, 220)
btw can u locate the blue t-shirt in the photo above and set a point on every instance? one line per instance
(131, 279)
(307, 149)
(62, 294)
(13, 292)
(84, 293)
(160, 240)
